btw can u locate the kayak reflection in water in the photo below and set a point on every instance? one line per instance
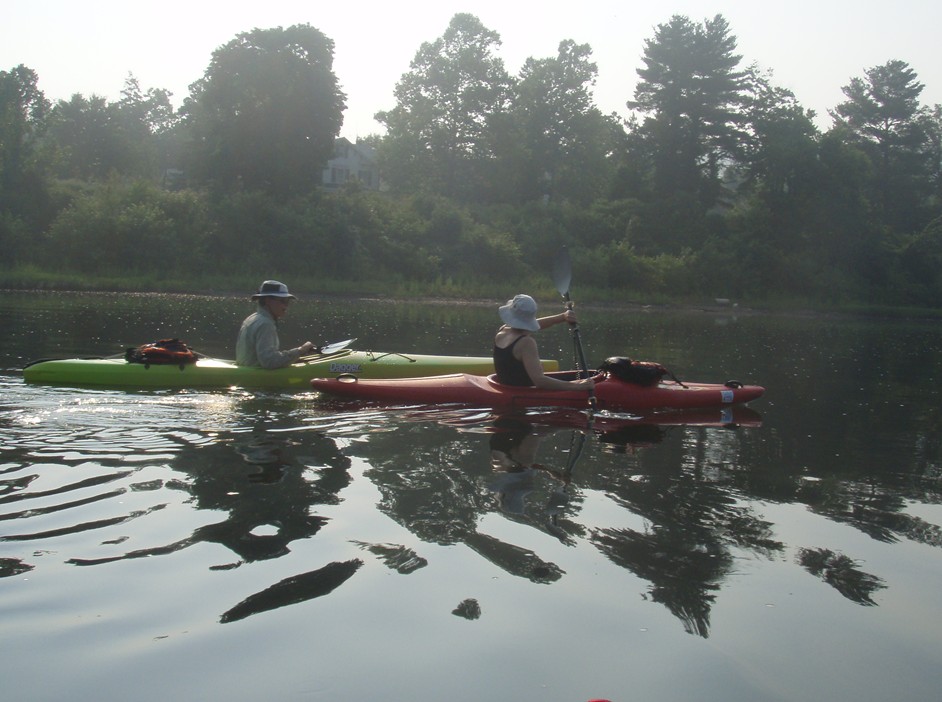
(258, 343)
(516, 357)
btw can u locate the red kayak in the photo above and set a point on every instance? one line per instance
(610, 392)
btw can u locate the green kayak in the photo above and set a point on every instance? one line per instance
(210, 372)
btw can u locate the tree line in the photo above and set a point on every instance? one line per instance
(719, 183)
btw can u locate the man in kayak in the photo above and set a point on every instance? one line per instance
(258, 343)
(516, 357)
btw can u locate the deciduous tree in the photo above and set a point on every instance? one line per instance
(23, 189)
(147, 120)
(267, 111)
(23, 109)
(780, 161)
(562, 142)
(438, 136)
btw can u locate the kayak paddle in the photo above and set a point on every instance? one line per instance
(328, 349)
(562, 277)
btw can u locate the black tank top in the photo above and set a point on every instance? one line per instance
(510, 370)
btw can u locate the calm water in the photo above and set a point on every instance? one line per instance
(241, 545)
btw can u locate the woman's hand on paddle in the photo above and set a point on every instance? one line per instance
(587, 384)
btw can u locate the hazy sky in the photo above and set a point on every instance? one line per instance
(812, 48)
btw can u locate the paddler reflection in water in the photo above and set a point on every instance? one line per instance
(258, 343)
(514, 445)
(516, 357)
(513, 457)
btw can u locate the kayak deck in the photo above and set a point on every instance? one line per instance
(211, 372)
(610, 393)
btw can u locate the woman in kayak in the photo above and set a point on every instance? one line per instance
(516, 357)
(258, 343)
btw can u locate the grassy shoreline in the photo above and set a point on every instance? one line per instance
(448, 292)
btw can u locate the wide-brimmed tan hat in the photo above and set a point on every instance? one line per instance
(272, 288)
(520, 313)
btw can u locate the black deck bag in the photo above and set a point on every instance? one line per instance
(637, 372)
(165, 352)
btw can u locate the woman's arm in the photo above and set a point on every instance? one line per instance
(528, 353)
(567, 316)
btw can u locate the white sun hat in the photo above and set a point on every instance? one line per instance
(520, 313)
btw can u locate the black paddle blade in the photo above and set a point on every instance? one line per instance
(562, 272)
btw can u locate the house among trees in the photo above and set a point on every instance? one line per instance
(352, 162)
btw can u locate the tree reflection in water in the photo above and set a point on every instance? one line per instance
(263, 484)
(841, 573)
(297, 588)
(698, 506)
(442, 491)
(693, 523)
(266, 484)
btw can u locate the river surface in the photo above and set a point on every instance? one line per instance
(243, 545)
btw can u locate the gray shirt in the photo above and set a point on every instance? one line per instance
(258, 343)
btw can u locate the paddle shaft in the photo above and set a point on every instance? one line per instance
(562, 277)
(577, 341)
